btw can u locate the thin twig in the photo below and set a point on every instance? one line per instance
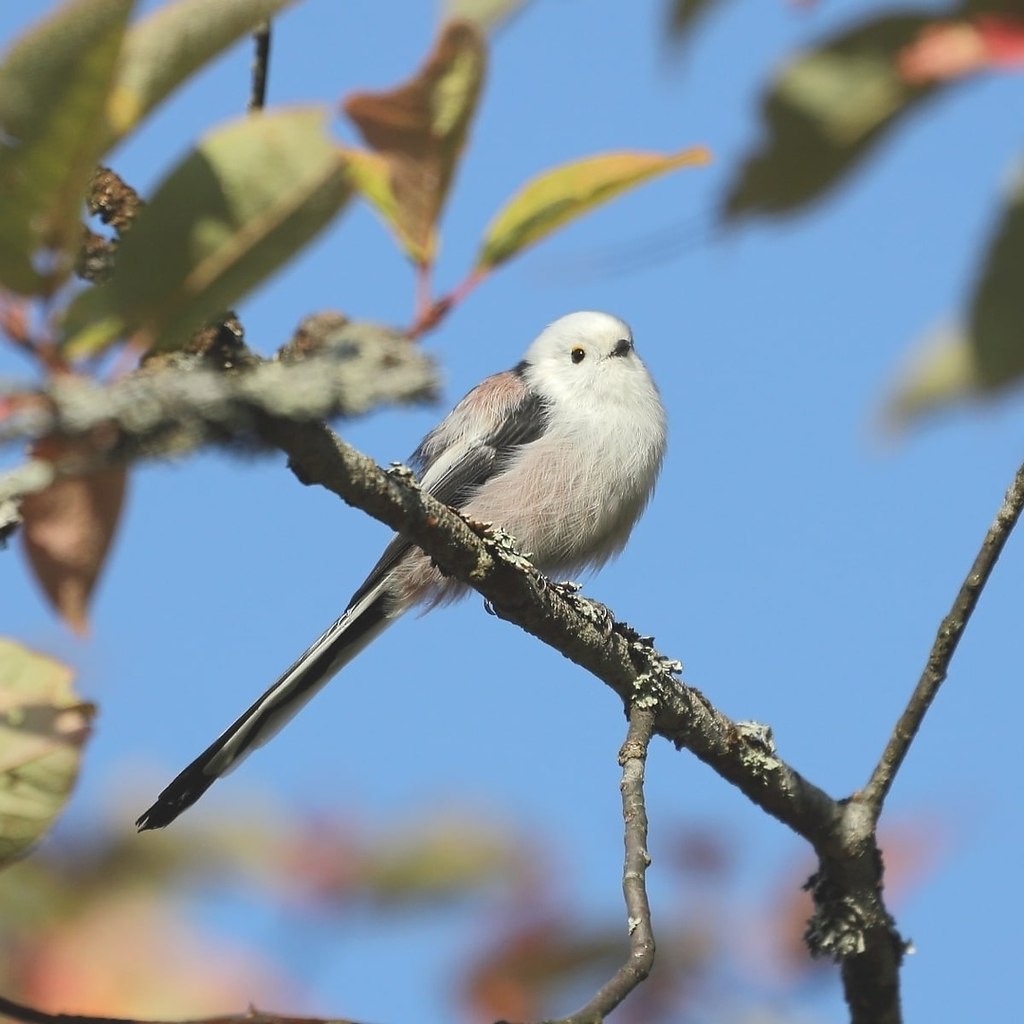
(260, 66)
(632, 757)
(30, 1015)
(944, 647)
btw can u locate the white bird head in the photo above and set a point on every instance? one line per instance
(587, 355)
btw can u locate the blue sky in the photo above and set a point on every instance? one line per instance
(796, 561)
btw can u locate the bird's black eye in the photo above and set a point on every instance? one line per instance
(578, 354)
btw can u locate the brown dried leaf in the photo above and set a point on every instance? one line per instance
(68, 529)
(419, 128)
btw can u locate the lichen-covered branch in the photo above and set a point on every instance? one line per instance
(175, 403)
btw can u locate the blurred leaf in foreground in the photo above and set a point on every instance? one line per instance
(54, 84)
(165, 49)
(488, 14)
(988, 355)
(417, 132)
(556, 196)
(247, 199)
(68, 529)
(952, 49)
(683, 16)
(43, 725)
(825, 112)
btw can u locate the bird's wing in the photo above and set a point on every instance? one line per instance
(454, 461)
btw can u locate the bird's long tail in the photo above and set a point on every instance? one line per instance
(365, 619)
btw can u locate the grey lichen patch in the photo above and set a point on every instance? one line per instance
(599, 615)
(837, 928)
(845, 924)
(757, 750)
(400, 471)
(759, 735)
(503, 545)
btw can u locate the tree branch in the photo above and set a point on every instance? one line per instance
(30, 1015)
(851, 923)
(946, 641)
(260, 67)
(576, 627)
(632, 758)
(175, 403)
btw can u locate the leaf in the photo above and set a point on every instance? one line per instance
(419, 129)
(996, 317)
(825, 112)
(68, 529)
(939, 374)
(43, 725)
(988, 355)
(488, 14)
(436, 860)
(165, 49)
(953, 49)
(528, 962)
(247, 199)
(683, 16)
(54, 84)
(558, 195)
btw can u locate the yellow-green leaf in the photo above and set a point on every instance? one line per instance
(546, 202)
(939, 374)
(419, 129)
(249, 197)
(166, 48)
(43, 725)
(370, 174)
(988, 355)
(488, 14)
(54, 84)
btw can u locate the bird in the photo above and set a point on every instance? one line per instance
(562, 452)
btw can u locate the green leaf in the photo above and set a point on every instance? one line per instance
(247, 199)
(996, 319)
(683, 15)
(825, 112)
(940, 373)
(168, 47)
(417, 132)
(988, 355)
(556, 196)
(43, 725)
(54, 85)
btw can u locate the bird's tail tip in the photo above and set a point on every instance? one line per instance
(177, 798)
(158, 816)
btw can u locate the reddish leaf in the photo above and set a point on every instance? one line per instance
(956, 48)
(419, 130)
(533, 960)
(68, 529)
(1004, 40)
